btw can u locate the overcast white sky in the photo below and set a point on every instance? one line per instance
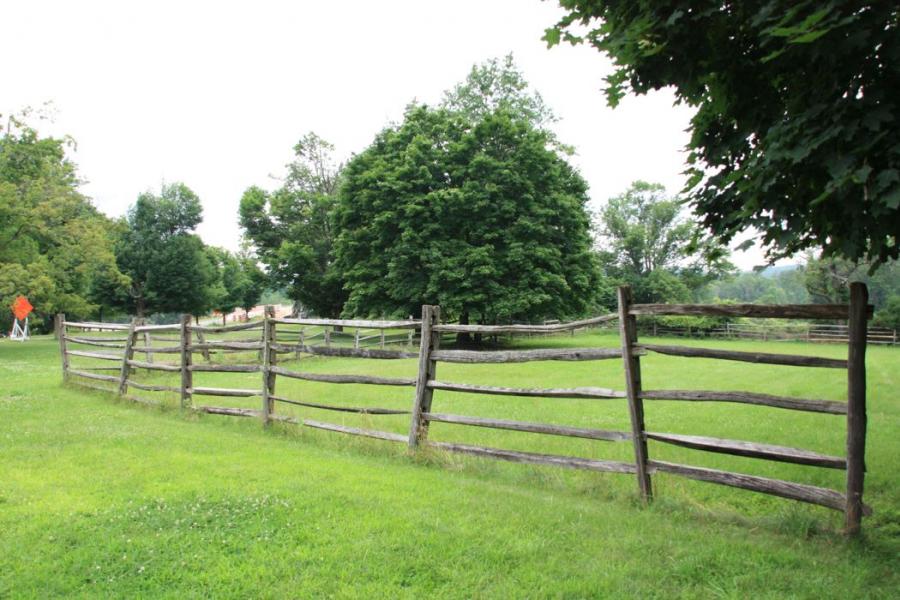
(215, 94)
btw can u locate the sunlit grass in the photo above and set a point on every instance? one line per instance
(100, 497)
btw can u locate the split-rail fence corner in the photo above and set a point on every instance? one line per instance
(297, 339)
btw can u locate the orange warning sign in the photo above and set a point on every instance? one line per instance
(21, 307)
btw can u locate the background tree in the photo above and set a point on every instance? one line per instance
(240, 282)
(646, 243)
(53, 242)
(778, 285)
(486, 221)
(797, 117)
(828, 280)
(228, 287)
(293, 231)
(254, 280)
(888, 315)
(169, 268)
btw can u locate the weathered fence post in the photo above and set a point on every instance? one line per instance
(356, 339)
(628, 336)
(430, 341)
(187, 359)
(127, 356)
(268, 356)
(63, 350)
(148, 341)
(382, 339)
(409, 337)
(856, 406)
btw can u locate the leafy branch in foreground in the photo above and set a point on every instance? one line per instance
(797, 124)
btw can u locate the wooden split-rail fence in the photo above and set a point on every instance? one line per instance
(136, 338)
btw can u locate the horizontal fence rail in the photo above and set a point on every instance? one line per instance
(796, 332)
(502, 329)
(517, 356)
(751, 357)
(579, 392)
(763, 311)
(271, 338)
(791, 403)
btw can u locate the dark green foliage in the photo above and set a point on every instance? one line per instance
(482, 219)
(797, 124)
(54, 245)
(889, 314)
(169, 267)
(292, 228)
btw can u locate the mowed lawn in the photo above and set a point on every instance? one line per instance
(103, 497)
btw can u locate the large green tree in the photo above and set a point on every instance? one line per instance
(486, 220)
(293, 231)
(168, 265)
(54, 244)
(797, 124)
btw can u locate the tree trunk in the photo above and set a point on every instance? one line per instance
(464, 338)
(223, 320)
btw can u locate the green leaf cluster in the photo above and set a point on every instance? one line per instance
(797, 125)
(54, 244)
(480, 216)
(169, 267)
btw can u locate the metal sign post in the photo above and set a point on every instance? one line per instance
(19, 332)
(21, 308)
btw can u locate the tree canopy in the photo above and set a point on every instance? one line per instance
(293, 231)
(486, 220)
(168, 265)
(797, 128)
(54, 244)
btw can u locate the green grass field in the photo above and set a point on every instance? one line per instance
(103, 497)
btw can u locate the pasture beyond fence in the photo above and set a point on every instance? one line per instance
(273, 337)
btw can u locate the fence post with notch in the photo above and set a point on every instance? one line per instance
(187, 359)
(628, 337)
(430, 340)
